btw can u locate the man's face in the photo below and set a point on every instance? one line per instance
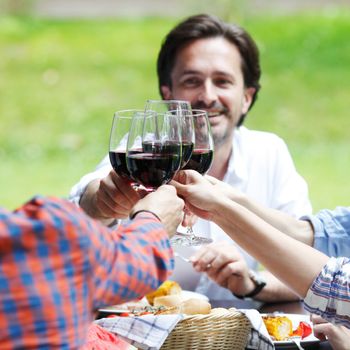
(207, 72)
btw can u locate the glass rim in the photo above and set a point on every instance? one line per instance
(168, 101)
(133, 112)
(199, 111)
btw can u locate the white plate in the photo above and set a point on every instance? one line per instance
(295, 318)
(117, 309)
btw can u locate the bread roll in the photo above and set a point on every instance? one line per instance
(168, 300)
(195, 306)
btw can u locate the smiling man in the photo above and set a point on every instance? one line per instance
(215, 65)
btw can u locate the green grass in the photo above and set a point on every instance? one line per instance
(61, 81)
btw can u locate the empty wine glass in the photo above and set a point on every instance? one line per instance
(200, 160)
(154, 149)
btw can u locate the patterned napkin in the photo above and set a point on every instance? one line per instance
(259, 337)
(144, 332)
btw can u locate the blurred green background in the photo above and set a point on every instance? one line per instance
(62, 79)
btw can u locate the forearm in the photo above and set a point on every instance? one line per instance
(275, 290)
(298, 229)
(133, 260)
(294, 263)
(88, 203)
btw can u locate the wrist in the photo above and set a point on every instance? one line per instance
(259, 283)
(133, 214)
(219, 209)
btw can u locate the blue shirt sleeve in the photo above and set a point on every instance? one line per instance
(332, 231)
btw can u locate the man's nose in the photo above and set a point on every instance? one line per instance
(208, 94)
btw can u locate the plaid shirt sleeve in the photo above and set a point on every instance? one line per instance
(57, 266)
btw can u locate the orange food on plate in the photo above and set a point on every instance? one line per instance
(279, 327)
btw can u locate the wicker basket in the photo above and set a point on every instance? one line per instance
(216, 331)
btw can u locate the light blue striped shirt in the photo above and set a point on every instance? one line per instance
(329, 294)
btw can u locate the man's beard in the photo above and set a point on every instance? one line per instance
(219, 109)
(221, 139)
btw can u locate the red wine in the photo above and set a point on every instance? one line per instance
(170, 147)
(153, 170)
(200, 160)
(187, 149)
(118, 162)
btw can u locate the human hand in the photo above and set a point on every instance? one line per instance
(338, 336)
(189, 218)
(115, 196)
(200, 195)
(225, 265)
(225, 189)
(165, 203)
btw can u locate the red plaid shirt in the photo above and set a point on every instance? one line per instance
(57, 266)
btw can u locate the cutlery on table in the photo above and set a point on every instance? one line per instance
(296, 341)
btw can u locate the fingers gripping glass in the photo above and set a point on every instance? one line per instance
(200, 160)
(187, 120)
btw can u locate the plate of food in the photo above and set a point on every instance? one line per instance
(283, 328)
(168, 295)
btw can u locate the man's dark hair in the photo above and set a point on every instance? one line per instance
(202, 27)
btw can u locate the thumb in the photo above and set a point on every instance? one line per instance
(211, 179)
(323, 330)
(180, 188)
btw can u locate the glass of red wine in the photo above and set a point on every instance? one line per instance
(154, 149)
(118, 140)
(200, 160)
(182, 109)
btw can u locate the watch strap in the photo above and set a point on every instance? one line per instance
(259, 282)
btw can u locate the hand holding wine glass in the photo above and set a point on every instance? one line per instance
(200, 160)
(113, 195)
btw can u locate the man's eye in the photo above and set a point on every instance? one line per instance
(192, 81)
(223, 82)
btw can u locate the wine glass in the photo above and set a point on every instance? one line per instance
(203, 150)
(162, 106)
(200, 160)
(182, 109)
(154, 149)
(118, 140)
